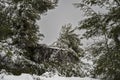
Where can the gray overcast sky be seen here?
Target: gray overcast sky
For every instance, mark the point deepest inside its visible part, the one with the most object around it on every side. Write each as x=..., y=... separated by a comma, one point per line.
x=64, y=13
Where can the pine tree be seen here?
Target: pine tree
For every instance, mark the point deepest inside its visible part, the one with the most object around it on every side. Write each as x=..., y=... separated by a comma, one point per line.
x=19, y=31
x=106, y=26
x=68, y=60
x=18, y=21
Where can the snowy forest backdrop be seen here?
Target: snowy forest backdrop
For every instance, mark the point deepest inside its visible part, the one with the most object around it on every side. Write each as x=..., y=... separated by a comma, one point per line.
x=22, y=52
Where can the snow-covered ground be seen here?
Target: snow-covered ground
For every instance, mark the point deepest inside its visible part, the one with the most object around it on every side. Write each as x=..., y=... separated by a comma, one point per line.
x=4, y=76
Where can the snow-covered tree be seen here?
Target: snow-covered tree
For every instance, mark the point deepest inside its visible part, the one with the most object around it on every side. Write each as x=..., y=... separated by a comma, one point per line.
x=19, y=30
x=68, y=60
x=106, y=27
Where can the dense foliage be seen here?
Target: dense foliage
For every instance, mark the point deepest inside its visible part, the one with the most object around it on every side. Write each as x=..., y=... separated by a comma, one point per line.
x=20, y=51
x=18, y=21
x=69, y=58
x=104, y=28
x=19, y=31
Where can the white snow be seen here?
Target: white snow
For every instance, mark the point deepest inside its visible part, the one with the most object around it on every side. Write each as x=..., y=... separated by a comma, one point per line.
x=2, y=53
x=23, y=76
x=56, y=77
